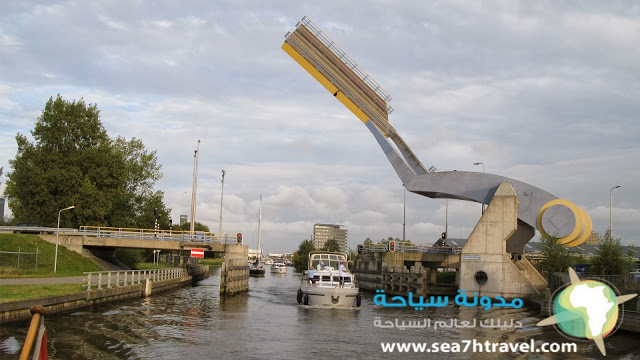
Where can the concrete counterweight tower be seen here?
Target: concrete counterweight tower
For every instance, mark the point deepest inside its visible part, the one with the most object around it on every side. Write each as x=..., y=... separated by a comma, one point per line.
x=486, y=266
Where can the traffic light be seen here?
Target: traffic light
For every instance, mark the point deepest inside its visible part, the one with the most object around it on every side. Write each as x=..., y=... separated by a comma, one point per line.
x=360, y=249
x=392, y=246
x=444, y=235
x=239, y=239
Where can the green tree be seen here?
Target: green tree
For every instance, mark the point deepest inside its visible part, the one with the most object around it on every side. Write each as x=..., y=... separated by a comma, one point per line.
x=368, y=241
x=301, y=256
x=196, y=227
x=72, y=161
x=331, y=245
x=556, y=256
x=611, y=258
x=137, y=204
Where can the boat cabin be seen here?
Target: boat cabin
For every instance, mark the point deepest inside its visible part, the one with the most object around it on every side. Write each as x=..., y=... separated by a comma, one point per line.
x=327, y=262
x=323, y=271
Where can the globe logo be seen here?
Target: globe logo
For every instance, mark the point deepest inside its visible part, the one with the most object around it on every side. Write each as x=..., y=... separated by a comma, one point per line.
x=586, y=309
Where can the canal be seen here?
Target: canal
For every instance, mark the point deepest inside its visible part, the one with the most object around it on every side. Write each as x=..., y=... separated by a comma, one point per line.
x=267, y=323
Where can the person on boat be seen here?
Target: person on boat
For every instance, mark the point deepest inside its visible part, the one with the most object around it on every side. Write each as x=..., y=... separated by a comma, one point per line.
x=342, y=271
x=310, y=274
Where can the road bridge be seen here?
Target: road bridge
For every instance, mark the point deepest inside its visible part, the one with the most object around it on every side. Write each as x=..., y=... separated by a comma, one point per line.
x=103, y=241
x=92, y=237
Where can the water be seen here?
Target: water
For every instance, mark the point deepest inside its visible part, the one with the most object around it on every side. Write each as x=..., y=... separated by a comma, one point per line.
x=197, y=323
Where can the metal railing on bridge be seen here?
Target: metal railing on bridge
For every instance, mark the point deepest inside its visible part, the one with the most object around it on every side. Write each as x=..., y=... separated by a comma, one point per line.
x=151, y=234
x=412, y=247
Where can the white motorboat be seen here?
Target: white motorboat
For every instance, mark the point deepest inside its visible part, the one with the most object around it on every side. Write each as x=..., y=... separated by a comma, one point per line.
x=278, y=268
x=322, y=286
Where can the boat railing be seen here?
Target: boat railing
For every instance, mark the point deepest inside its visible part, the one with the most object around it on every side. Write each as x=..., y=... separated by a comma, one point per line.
x=330, y=280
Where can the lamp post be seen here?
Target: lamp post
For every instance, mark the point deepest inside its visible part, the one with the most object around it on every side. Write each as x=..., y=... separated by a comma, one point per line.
x=194, y=187
x=404, y=212
x=610, y=211
x=55, y=259
x=481, y=163
x=221, y=196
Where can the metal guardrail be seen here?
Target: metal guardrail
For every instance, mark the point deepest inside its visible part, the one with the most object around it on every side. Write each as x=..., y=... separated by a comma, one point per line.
x=414, y=247
x=342, y=55
x=110, y=279
x=34, y=229
x=167, y=235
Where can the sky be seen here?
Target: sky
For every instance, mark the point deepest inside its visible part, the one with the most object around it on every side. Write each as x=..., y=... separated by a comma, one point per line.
x=544, y=92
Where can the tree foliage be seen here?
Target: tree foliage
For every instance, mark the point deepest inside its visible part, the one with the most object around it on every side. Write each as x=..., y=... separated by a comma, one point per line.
x=72, y=161
x=611, y=258
x=331, y=245
x=187, y=227
x=556, y=256
x=301, y=256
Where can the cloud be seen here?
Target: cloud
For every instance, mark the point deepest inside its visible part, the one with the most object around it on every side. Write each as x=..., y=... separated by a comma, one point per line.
x=545, y=93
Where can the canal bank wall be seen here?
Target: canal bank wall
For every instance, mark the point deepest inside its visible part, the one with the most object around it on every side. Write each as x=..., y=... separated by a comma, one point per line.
x=19, y=310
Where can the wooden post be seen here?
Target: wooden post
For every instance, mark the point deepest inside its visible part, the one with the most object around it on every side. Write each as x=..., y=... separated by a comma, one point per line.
x=36, y=311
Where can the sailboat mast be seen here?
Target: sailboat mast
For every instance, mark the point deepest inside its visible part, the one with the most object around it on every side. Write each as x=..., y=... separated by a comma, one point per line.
x=259, y=228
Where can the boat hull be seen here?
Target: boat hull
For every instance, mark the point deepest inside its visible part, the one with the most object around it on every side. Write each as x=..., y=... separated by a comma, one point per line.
x=330, y=297
x=256, y=272
x=278, y=269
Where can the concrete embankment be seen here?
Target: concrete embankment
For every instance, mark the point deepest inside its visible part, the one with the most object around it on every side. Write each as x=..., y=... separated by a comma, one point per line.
x=19, y=310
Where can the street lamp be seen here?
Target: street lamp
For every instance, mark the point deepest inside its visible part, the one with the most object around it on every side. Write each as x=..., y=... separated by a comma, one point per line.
x=610, y=217
x=55, y=260
x=404, y=212
x=221, y=196
x=194, y=187
x=481, y=163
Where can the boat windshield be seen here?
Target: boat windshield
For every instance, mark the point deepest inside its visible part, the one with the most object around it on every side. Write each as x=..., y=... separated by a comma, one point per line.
x=326, y=261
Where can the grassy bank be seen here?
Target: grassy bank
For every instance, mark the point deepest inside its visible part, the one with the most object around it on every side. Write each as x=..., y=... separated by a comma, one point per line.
x=9, y=293
x=69, y=262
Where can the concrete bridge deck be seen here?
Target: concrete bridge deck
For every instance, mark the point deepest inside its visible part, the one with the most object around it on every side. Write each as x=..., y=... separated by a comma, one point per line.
x=89, y=237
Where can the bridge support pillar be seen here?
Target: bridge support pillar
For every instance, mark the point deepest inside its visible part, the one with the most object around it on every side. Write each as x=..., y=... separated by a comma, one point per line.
x=486, y=266
x=234, y=275
x=433, y=276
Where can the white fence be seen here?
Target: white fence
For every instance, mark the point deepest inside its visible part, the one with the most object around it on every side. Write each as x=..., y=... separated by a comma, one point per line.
x=110, y=279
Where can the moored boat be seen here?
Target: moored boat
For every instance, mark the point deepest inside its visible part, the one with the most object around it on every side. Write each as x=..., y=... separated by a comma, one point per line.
x=278, y=268
x=326, y=285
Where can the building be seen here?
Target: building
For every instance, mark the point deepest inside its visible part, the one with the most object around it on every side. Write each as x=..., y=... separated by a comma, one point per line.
x=1, y=209
x=594, y=239
x=324, y=232
x=183, y=219
x=253, y=254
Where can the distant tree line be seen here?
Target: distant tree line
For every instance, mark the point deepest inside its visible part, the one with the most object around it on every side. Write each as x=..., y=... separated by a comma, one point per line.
x=610, y=258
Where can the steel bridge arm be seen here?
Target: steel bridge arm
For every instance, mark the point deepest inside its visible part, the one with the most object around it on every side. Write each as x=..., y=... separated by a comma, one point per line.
x=347, y=82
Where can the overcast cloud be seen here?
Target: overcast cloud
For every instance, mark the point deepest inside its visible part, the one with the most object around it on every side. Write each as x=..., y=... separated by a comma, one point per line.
x=540, y=91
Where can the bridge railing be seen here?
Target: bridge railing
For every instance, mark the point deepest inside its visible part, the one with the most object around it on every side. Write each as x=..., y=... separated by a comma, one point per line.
x=110, y=279
x=413, y=247
x=150, y=234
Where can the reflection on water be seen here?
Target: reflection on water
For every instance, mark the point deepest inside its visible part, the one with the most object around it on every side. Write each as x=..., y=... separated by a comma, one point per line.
x=198, y=323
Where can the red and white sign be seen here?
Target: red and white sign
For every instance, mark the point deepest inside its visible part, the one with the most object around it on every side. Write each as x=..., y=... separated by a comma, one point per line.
x=199, y=253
